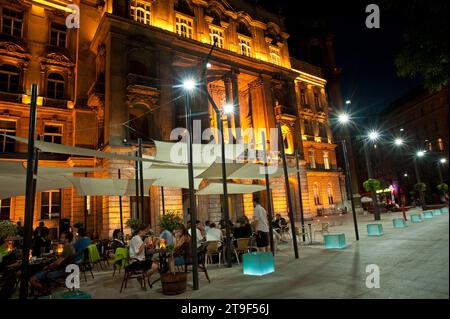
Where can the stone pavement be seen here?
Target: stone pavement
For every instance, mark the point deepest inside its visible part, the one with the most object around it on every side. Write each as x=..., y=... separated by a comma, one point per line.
x=413, y=262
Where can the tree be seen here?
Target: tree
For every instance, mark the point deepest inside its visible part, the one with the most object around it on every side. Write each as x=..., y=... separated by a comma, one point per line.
x=421, y=187
x=442, y=187
x=371, y=185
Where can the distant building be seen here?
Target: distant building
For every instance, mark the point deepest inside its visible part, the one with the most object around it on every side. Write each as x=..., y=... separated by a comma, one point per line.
x=121, y=66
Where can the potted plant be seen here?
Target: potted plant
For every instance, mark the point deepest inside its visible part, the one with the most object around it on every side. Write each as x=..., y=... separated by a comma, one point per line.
x=170, y=220
x=173, y=283
x=442, y=187
x=421, y=187
x=7, y=229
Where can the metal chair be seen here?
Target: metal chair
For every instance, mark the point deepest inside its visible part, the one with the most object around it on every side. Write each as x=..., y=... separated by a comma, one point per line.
x=85, y=264
x=323, y=229
x=302, y=232
x=242, y=247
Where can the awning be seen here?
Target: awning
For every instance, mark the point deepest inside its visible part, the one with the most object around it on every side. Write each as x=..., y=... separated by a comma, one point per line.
x=243, y=171
x=16, y=185
x=203, y=154
x=80, y=151
x=232, y=188
x=107, y=186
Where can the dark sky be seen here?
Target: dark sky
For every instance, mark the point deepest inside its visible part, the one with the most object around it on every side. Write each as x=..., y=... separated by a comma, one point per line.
x=366, y=56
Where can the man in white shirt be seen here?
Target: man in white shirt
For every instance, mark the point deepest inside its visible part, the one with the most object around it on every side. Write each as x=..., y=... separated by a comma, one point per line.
x=261, y=227
x=214, y=234
x=137, y=251
x=200, y=237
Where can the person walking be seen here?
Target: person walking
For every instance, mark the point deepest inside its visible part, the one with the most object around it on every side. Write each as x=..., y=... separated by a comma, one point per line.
x=261, y=226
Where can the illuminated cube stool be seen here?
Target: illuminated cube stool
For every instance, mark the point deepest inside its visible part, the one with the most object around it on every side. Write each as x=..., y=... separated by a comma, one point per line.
x=375, y=230
x=334, y=241
x=428, y=214
x=77, y=294
x=258, y=263
x=415, y=218
x=444, y=210
x=399, y=223
x=437, y=212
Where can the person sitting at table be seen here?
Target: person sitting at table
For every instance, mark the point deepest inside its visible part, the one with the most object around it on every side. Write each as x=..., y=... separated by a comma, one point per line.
x=278, y=225
x=243, y=231
x=80, y=244
x=137, y=251
x=56, y=269
x=117, y=240
x=214, y=234
x=167, y=236
x=199, y=232
x=182, y=249
x=207, y=224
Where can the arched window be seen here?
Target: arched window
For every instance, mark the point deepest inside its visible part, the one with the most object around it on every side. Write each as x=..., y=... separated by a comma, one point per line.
x=316, y=194
x=216, y=35
x=326, y=160
x=330, y=194
x=243, y=29
x=312, y=159
x=308, y=128
x=182, y=6
x=140, y=11
x=216, y=17
x=9, y=78
x=245, y=45
x=275, y=55
x=142, y=123
x=55, y=86
x=137, y=67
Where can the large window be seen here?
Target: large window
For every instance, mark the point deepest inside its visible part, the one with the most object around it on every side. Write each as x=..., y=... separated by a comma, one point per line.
x=7, y=127
x=330, y=194
x=302, y=97
x=312, y=159
x=308, y=128
x=317, y=102
x=275, y=55
x=245, y=46
x=323, y=130
x=55, y=86
x=58, y=35
x=50, y=204
x=53, y=133
x=316, y=194
x=440, y=144
x=184, y=26
x=216, y=35
x=140, y=11
x=12, y=22
x=9, y=78
x=5, y=208
x=326, y=160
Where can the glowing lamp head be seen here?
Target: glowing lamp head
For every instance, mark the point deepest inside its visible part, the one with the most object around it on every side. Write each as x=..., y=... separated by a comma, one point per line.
x=208, y=65
x=420, y=153
x=343, y=118
x=443, y=160
x=348, y=102
x=406, y=175
x=189, y=84
x=398, y=142
x=373, y=135
x=228, y=108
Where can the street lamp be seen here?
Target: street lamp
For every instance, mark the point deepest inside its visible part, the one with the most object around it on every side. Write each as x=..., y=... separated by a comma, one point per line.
x=348, y=102
x=420, y=153
x=189, y=85
x=373, y=136
x=398, y=141
x=343, y=119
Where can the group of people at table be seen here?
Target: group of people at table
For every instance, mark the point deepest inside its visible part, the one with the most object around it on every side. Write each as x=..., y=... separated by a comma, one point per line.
x=140, y=245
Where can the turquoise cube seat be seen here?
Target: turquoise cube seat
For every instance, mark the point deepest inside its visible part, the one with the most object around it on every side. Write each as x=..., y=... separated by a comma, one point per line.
x=258, y=263
x=334, y=241
x=415, y=218
x=399, y=223
x=437, y=212
x=77, y=294
x=444, y=210
x=375, y=229
x=428, y=214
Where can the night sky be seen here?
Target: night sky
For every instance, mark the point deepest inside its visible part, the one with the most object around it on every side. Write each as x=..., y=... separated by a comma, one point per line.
x=366, y=56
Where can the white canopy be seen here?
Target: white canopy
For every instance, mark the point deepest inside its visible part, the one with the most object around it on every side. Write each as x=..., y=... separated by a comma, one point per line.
x=15, y=185
x=203, y=154
x=243, y=171
x=80, y=151
x=107, y=186
x=232, y=188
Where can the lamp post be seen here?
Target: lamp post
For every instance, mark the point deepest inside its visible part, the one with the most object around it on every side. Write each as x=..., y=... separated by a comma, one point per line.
x=372, y=136
x=419, y=154
x=189, y=86
x=441, y=163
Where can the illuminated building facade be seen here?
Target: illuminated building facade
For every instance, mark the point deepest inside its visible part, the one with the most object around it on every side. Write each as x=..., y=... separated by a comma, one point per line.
x=114, y=80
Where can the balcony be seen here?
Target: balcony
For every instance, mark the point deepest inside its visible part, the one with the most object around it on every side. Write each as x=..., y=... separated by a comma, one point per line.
x=56, y=103
x=11, y=97
x=284, y=110
x=321, y=168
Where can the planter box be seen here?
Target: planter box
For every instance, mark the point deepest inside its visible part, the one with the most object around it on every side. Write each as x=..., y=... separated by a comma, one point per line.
x=334, y=241
x=258, y=263
x=444, y=210
x=399, y=223
x=375, y=230
x=428, y=214
x=415, y=218
x=174, y=284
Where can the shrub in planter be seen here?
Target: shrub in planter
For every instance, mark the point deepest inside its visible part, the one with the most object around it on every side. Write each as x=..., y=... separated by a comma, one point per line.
x=134, y=224
x=421, y=187
x=442, y=187
x=170, y=220
x=7, y=229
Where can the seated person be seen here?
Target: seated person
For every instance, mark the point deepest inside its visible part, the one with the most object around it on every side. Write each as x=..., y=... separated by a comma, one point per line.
x=243, y=231
x=182, y=250
x=137, y=251
x=167, y=236
x=56, y=269
x=80, y=244
x=214, y=234
x=117, y=240
x=199, y=233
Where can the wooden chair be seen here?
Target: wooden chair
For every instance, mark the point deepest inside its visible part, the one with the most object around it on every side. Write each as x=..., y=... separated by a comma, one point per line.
x=201, y=252
x=242, y=247
x=134, y=270
x=212, y=249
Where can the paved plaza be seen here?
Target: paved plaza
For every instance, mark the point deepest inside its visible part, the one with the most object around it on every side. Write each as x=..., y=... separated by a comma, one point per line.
x=413, y=263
